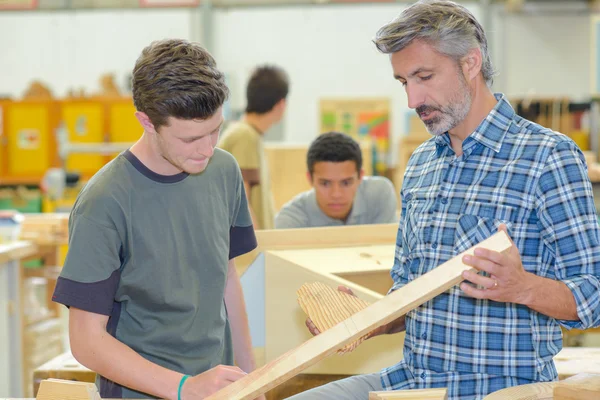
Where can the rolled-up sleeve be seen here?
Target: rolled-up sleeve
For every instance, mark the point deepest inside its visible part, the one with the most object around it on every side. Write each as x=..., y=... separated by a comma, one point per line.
x=569, y=225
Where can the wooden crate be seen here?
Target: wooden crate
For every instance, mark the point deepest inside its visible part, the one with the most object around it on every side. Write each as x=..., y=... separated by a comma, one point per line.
x=63, y=366
x=359, y=257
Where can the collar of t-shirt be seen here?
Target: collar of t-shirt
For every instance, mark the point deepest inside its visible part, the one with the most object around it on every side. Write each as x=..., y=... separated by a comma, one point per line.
x=317, y=215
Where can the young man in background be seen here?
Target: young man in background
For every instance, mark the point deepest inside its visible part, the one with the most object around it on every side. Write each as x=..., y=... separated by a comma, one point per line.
x=341, y=195
x=266, y=95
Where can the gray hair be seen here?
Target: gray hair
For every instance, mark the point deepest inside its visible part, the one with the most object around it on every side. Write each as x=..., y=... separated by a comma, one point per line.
x=449, y=27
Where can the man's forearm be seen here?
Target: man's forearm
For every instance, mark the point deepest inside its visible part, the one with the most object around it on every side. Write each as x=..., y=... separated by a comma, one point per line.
x=236, y=309
x=117, y=362
x=551, y=298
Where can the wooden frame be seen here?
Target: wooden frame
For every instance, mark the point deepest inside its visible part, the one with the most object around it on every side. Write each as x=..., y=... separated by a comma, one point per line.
x=59, y=389
x=284, y=260
x=382, y=312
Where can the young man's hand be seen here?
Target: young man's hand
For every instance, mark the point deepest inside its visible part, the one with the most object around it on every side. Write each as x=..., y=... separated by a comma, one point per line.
x=209, y=382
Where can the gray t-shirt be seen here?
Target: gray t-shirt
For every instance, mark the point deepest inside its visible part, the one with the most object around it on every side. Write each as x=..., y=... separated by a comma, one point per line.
x=374, y=203
x=151, y=252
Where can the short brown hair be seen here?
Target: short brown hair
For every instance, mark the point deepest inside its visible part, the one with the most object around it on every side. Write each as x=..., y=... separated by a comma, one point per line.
x=177, y=78
x=267, y=86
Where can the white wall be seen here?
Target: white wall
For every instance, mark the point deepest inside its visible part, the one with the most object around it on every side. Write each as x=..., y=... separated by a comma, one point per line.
x=326, y=50
x=72, y=49
x=548, y=55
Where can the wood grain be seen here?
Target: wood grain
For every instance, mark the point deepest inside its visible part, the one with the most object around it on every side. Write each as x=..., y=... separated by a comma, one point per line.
x=583, y=386
x=58, y=389
x=381, y=312
x=534, y=391
x=327, y=307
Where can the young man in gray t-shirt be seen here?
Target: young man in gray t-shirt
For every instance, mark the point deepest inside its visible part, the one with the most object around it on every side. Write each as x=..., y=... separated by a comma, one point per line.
x=149, y=277
x=340, y=194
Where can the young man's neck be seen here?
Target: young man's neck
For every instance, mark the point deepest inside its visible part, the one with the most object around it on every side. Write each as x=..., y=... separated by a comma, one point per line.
x=482, y=103
x=147, y=152
x=261, y=122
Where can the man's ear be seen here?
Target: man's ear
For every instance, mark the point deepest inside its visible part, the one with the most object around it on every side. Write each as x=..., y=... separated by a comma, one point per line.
x=145, y=122
x=472, y=63
x=309, y=178
x=361, y=174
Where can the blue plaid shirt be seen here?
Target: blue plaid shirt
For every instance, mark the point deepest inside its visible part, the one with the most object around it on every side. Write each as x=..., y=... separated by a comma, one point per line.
x=535, y=181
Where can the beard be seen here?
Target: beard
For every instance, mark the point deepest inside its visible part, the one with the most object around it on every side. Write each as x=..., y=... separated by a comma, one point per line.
x=450, y=115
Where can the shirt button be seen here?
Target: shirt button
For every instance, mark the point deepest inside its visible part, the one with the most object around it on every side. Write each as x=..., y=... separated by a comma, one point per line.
x=424, y=336
x=444, y=200
x=423, y=375
x=434, y=246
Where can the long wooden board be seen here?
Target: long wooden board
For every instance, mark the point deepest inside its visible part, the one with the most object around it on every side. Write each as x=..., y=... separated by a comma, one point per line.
x=381, y=312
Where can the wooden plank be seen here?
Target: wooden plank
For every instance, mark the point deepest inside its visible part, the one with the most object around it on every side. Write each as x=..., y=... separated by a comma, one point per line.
x=58, y=389
x=315, y=238
x=63, y=366
x=324, y=237
x=381, y=312
x=416, y=394
x=580, y=387
x=534, y=391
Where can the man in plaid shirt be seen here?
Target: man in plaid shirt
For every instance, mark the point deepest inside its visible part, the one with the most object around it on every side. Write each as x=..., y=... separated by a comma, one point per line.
x=484, y=169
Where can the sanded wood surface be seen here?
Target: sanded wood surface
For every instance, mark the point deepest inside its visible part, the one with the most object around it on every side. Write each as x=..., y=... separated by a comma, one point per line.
x=381, y=312
x=534, y=391
x=571, y=361
x=58, y=389
x=416, y=394
x=346, y=260
x=327, y=307
x=579, y=387
x=315, y=238
x=583, y=386
x=327, y=236
x=64, y=366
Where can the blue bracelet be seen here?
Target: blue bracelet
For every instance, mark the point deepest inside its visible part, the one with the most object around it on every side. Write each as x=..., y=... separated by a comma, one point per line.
x=183, y=378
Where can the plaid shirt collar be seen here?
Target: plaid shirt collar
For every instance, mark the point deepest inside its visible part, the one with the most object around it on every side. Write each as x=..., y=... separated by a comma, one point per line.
x=490, y=132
